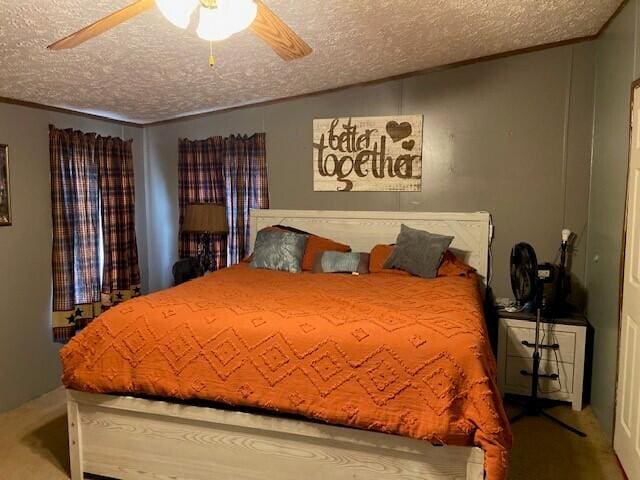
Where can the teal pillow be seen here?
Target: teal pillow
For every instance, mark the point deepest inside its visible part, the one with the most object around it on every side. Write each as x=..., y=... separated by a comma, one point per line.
x=277, y=249
x=341, y=262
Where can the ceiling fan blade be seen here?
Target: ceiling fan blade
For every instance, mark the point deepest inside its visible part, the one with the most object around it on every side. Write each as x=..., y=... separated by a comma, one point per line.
x=102, y=25
x=278, y=35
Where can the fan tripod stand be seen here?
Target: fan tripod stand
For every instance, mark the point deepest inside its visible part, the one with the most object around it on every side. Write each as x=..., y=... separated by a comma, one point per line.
x=532, y=407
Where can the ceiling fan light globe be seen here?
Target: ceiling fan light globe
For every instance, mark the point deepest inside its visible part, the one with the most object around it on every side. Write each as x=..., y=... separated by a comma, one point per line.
x=213, y=25
x=178, y=12
x=239, y=13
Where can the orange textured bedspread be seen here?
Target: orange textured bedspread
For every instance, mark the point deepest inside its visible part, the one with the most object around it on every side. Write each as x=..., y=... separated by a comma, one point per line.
x=385, y=352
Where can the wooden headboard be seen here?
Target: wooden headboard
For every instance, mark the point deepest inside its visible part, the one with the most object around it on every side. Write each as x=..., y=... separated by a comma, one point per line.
x=363, y=230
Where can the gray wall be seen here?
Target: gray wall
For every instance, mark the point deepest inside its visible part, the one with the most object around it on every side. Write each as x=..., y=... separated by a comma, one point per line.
x=29, y=364
x=510, y=136
x=616, y=68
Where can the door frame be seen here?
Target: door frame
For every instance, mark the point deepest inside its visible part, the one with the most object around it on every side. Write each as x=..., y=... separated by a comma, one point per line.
x=634, y=85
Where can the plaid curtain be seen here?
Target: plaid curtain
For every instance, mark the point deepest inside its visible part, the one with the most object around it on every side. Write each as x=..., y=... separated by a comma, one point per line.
x=120, y=272
x=232, y=171
x=246, y=187
x=85, y=170
x=200, y=181
x=76, y=223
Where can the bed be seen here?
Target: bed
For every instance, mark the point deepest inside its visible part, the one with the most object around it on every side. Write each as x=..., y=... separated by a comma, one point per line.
x=256, y=374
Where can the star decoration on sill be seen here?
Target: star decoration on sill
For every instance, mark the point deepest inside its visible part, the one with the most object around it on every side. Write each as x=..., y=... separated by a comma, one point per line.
x=78, y=312
x=136, y=290
x=72, y=318
x=119, y=296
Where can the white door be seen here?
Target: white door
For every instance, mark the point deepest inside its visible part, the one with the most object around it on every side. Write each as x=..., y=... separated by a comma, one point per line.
x=627, y=429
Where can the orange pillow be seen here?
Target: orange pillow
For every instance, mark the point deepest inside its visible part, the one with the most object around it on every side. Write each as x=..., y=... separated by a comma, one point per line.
x=317, y=244
x=451, y=266
x=378, y=256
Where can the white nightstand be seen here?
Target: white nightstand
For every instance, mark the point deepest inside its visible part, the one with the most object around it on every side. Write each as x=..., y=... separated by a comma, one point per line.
x=562, y=360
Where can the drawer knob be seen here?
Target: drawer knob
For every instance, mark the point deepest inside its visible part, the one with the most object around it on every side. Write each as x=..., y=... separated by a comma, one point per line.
x=552, y=376
x=553, y=346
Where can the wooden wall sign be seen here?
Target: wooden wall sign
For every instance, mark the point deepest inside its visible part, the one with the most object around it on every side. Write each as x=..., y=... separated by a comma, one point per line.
x=367, y=154
x=5, y=196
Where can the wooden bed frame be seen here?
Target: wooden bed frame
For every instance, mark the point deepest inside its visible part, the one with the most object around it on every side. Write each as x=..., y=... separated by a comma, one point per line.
x=134, y=438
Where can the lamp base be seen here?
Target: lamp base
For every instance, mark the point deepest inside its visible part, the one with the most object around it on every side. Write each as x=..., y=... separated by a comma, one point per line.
x=205, y=255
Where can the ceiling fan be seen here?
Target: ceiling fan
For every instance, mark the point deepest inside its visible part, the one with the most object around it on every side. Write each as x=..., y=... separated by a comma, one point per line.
x=218, y=19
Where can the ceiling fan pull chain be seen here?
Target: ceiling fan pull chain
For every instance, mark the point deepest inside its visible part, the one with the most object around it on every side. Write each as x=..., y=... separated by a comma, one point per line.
x=212, y=59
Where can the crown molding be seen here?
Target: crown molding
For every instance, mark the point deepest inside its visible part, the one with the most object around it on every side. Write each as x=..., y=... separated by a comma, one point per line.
x=68, y=111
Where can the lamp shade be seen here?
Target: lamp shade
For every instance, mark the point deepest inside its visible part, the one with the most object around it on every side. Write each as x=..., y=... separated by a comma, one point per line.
x=205, y=218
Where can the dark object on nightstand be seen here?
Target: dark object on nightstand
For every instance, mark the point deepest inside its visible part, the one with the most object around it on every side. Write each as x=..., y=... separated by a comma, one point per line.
x=186, y=269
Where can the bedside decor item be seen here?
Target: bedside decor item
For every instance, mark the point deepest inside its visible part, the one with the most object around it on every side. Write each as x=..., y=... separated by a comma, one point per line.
x=207, y=219
x=5, y=196
x=367, y=154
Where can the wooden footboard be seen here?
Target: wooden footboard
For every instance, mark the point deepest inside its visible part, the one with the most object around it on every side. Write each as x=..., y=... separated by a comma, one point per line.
x=133, y=438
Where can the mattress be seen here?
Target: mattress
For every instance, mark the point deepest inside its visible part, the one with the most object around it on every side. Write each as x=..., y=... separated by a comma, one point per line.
x=385, y=352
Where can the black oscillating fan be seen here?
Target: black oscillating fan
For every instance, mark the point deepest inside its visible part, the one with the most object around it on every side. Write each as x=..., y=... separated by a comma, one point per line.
x=524, y=276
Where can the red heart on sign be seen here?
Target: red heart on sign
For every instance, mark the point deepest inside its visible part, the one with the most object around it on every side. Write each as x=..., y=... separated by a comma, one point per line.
x=398, y=131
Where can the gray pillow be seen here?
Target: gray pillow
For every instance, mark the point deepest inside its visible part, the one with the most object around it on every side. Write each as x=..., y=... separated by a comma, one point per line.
x=418, y=252
x=277, y=249
x=341, y=262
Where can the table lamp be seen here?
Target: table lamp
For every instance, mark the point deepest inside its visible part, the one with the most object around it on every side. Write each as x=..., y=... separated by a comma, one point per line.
x=206, y=219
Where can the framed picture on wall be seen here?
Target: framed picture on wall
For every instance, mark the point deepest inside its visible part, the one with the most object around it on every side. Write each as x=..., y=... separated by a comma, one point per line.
x=5, y=196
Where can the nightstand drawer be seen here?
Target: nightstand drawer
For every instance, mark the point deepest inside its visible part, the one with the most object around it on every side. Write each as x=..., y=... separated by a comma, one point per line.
x=516, y=382
x=548, y=335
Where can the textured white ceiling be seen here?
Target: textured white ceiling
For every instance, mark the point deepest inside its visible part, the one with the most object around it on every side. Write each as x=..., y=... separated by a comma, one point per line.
x=147, y=70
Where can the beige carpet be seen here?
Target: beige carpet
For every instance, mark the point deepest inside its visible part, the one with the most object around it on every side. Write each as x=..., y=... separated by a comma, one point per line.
x=33, y=445
x=542, y=450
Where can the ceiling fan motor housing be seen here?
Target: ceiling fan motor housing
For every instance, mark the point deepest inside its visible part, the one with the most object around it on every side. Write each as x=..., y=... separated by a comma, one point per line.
x=209, y=3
